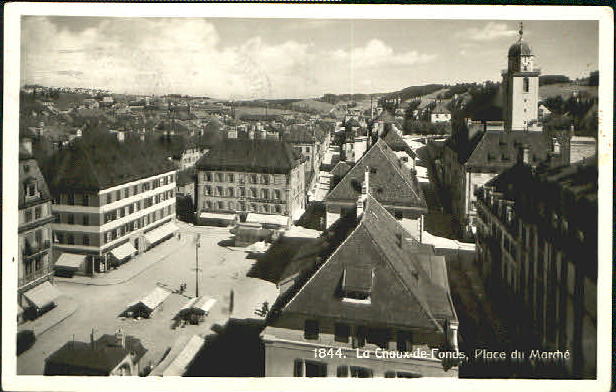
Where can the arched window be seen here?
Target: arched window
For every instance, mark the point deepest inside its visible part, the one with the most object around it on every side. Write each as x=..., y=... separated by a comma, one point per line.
x=526, y=85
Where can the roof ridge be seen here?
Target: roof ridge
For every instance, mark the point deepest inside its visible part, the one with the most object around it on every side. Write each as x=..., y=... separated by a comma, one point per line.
x=379, y=249
x=398, y=169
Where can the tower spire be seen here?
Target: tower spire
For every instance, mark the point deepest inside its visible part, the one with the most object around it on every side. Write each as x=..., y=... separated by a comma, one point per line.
x=521, y=31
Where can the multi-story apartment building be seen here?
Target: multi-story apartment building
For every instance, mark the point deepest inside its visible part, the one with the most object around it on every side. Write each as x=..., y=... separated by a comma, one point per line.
x=477, y=151
x=109, y=203
x=537, y=244
x=35, y=268
x=368, y=301
x=251, y=175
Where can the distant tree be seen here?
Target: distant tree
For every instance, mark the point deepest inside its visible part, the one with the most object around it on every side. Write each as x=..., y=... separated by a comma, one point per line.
x=593, y=79
x=545, y=80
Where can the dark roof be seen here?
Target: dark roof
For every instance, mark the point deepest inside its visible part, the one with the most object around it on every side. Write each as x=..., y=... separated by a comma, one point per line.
x=499, y=149
x=381, y=245
x=254, y=155
x=186, y=176
x=519, y=48
x=29, y=172
x=396, y=143
x=80, y=358
x=100, y=161
x=386, y=116
x=299, y=135
x=391, y=183
x=341, y=169
x=440, y=109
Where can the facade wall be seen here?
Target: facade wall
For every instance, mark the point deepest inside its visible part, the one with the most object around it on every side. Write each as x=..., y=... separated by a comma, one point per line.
x=282, y=353
x=94, y=224
x=282, y=359
x=232, y=191
x=35, y=248
x=547, y=281
x=521, y=106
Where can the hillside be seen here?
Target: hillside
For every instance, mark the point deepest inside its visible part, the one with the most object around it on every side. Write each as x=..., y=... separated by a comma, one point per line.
x=565, y=90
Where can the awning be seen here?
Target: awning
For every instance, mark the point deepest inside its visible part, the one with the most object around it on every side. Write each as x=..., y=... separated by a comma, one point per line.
x=123, y=251
x=42, y=295
x=69, y=261
x=201, y=304
x=161, y=232
x=155, y=298
x=217, y=215
x=279, y=220
x=180, y=357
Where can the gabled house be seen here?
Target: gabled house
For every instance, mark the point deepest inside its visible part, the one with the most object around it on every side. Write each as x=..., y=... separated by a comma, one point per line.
x=391, y=183
x=372, y=289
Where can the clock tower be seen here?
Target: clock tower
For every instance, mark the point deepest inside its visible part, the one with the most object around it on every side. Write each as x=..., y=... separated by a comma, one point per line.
x=521, y=88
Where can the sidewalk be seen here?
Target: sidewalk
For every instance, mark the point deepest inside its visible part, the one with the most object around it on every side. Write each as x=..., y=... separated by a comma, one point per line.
x=66, y=306
x=132, y=268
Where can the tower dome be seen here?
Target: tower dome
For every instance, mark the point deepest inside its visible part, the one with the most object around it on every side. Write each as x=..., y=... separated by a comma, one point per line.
x=520, y=48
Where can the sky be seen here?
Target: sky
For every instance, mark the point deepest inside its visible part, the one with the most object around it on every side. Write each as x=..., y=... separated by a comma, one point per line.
x=231, y=58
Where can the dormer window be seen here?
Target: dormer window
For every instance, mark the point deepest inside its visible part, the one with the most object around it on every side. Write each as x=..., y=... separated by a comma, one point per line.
x=357, y=284
x=31, y=189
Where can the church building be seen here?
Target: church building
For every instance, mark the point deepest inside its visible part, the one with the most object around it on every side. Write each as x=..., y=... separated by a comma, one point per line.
x=478, y=151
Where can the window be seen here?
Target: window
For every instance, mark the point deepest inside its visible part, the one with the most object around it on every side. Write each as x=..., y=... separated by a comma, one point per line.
x=398, y=214
x=108, y=198
x=253, y=193
x=342, y=371
x=221, y=205
x=70, y=239
x=264, y=194
x=37, y=212
x=28, y=264
x=395, y=374
x=118, y=195
x=31, y=189
x=207, y=190
x=220, y=191
x=265, y=179
x=71, y=219
x=315, y=369
x=71, y=199
x=85, y=200
x=39, y=263
x=403, y=341
x=311, y=329
x=85, y=220
x=361, y=372
x=298, y=368
x=135, y=189
x=230, y=192
x=60, y=238
x=342, y=332
x=230, y=178
x=278, y=209
x=277, y=194
x=207, y=177
x=526, y=85
x=86, y=240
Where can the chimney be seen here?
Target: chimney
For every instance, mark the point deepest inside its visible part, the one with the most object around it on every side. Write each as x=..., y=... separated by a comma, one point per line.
x=120, y=338
x=92, y=345
x=523, y=155
x=26, y=143
x=365, y=188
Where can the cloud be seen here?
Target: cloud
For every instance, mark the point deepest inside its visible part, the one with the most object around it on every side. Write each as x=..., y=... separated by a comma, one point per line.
x=166, y=55
x=490, y=32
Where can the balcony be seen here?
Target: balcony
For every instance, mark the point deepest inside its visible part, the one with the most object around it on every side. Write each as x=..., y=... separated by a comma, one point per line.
x=31, y=250
x=31, y=277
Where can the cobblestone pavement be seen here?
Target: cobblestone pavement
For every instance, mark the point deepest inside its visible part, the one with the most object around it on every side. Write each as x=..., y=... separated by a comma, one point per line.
x=222, y=269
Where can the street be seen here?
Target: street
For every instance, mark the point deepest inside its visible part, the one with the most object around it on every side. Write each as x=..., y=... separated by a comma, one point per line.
x=222, y=269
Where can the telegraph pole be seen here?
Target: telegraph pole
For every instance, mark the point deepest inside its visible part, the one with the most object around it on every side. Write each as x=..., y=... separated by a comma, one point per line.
x=197, y=241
